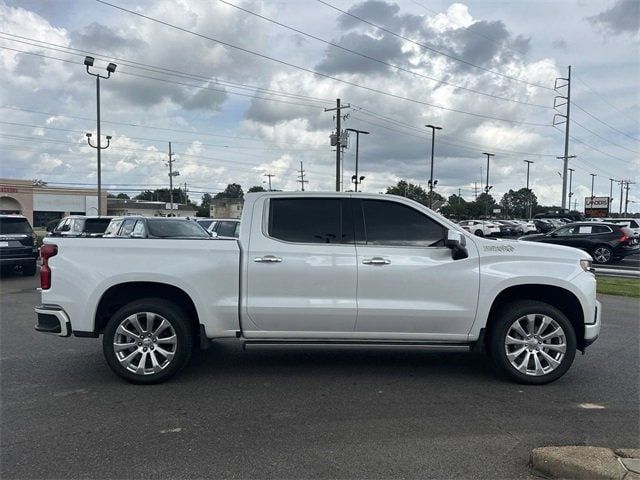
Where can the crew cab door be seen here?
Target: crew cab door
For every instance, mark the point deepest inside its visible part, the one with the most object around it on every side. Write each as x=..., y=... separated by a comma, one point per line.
x=408, y=283
x=301, y=268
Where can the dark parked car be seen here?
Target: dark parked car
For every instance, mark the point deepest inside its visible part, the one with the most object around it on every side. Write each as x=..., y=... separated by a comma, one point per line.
x=543, y=226
x=18, y=244
x=81, y=226
x=155, y=227
x=605, y=242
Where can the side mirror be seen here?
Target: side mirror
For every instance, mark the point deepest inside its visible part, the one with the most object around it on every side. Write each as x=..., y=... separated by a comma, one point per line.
x=457, y=242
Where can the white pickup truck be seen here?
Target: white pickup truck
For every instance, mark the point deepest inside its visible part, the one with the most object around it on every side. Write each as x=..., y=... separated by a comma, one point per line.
x=323, y=270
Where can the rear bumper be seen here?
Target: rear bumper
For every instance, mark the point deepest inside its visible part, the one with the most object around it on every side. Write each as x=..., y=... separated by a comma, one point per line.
x=53, y=320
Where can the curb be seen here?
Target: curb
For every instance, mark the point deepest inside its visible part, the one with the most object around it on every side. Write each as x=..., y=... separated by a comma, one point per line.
x=586, y=463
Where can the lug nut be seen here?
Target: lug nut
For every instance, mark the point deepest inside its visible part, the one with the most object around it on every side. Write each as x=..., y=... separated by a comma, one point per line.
x=144, y=349
x=151, y=347
x=139, y=344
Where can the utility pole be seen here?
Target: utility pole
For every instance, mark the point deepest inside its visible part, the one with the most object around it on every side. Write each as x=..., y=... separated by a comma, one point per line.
x=269, y=175
x=626, y=201
x=432, y=182
x=475, y=191
x=621, y=194
x=529, y=162
x=571, y=170
x=301, y=179
x=185, y=193
x=338, y=137
x=567, y=102
x=487, y=187
x=564, y=177
x=593, y=176
x=171, y=175
x=610, y=195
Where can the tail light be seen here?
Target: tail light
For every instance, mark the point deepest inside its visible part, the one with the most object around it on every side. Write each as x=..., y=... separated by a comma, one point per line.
x=46, y=252
x=626, y=235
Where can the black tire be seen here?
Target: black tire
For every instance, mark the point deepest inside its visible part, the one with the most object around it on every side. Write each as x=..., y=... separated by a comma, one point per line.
x=602, y=254
x=479, y=233
x=178, y=321
x=29, y=270
x=496, y=338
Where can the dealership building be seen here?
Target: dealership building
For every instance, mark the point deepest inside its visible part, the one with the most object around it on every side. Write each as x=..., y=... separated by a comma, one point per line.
x=41, y=203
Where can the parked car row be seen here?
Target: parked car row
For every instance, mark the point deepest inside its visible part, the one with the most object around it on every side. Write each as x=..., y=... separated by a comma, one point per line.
x=18, y=244
x=606, y=242
x=498, y=228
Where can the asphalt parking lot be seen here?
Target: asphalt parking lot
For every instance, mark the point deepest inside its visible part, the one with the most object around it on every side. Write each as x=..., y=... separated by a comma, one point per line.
x=289, y=414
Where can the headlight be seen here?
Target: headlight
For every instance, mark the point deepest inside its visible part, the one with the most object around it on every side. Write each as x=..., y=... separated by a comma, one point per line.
x=586, y=265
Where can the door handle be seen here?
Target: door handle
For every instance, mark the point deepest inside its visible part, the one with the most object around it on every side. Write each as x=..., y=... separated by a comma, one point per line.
x=376, y=261
x=267, y=259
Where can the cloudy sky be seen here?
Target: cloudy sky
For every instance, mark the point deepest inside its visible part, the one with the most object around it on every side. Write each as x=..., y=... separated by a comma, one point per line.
x=240, y=88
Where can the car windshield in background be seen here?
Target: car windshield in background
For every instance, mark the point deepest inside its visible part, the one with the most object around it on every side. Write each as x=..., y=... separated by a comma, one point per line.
x=204, y=223
x=175, y=228
x=96, y=225
x=14, y=226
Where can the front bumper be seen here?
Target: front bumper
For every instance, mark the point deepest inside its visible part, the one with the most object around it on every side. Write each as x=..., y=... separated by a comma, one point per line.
x=53, y=320
x=592, y=329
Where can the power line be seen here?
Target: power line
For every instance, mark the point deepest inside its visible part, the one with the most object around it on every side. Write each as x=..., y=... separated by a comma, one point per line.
x=602, y=138
x=377, y=60
x=602, y=121
x=155, y=68
x=323, y=75
x=426, y=47
x=593, y=90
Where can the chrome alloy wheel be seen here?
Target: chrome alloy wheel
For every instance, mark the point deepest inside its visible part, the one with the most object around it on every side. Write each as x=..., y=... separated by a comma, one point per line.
x=602, y=255
x=145, y=343
x=535, y=344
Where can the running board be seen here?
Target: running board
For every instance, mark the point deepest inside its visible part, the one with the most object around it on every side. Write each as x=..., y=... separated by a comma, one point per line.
x=350, y=345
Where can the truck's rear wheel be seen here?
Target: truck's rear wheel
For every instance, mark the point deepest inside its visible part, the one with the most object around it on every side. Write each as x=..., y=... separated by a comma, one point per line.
x=532, y=342
x=148, y=341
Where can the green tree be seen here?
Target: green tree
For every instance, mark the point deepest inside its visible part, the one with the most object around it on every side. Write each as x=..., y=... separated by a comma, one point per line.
x=233, y=190
x=162, y=195
x=205, y=206
x=256, y=188
x=516, y=203
x=484, y=203
x=415, y=192
x=456, y=208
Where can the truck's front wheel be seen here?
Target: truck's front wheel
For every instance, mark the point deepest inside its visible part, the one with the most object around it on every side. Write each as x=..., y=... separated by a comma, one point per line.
x=148, y=341
x=532, y=342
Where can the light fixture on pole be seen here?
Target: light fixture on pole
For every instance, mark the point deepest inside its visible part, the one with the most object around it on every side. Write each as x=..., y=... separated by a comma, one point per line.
x=529, y=162
x=432, y=182
x=88, y=62
x=487, y=187
x=355, y=179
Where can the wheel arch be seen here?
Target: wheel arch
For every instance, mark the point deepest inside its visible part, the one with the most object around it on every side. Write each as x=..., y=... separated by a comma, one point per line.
x=560, y=298
x=121, y=294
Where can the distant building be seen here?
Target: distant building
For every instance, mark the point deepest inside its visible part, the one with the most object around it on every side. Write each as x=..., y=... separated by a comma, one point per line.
x=41, y=203
x=120, y=207
x=226, y=207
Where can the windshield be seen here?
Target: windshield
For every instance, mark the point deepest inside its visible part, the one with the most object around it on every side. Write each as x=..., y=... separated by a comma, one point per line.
x=14, y=225
x=176, y=228
x=96, y=225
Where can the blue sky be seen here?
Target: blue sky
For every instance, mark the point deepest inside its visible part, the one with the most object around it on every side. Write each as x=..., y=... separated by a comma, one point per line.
x=233, y=116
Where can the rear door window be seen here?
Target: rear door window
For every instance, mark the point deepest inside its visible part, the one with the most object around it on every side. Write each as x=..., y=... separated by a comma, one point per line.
x=310, y=220
x=96, y=225
x=226, y=229
x=127, y=227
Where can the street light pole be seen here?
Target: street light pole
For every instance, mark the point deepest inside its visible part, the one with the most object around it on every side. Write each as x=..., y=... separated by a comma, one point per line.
x=593, y=176
x=88, y=62
x=571, y=170
x=432, y=182
x=610, y=194
x=487, y=187
x=355, y=179
x=529, y=162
